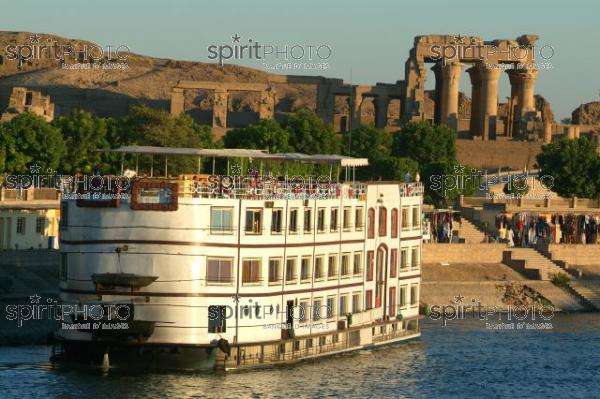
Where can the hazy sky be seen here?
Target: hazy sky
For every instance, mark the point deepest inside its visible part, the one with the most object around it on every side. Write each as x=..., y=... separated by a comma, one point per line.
x=370, y=40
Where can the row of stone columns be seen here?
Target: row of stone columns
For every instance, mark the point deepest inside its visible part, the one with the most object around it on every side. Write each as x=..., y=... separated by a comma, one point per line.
x=484, y=95
x=266, y=108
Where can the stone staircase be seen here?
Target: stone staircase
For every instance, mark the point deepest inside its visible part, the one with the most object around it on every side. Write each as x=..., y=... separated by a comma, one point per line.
x=468, y=233
x=588, y=290
x=531, y=263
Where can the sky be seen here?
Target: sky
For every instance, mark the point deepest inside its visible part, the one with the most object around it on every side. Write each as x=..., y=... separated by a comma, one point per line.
x=369, y=40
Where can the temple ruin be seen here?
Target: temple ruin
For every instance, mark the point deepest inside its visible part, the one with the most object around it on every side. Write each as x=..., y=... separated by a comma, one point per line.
x=23, y=100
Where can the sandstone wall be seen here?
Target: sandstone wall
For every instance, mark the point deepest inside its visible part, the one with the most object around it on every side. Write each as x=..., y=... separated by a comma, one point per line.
x=497, y=153
x=463, y=253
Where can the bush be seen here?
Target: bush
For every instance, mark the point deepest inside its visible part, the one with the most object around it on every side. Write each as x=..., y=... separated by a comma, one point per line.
x=560, y=280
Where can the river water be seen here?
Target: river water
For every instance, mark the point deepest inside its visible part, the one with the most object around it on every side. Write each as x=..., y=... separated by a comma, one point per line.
x=463, y=359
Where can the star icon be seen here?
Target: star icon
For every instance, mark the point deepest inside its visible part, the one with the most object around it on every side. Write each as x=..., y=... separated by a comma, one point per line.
x=35, y=38
x=35, y=168
x=459, y=169
x=458, y=298
x=459, y=39
x=236, y=298
x=35, y=298
x=236, y=38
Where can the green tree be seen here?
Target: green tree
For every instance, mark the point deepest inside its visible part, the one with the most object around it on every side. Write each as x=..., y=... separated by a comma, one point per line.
x=309, y=134
x=394, y=168
x=83, y=135
x=266, y=134
x=28, y=139
x=366, y=141
x=574, y=166
x=426, y=143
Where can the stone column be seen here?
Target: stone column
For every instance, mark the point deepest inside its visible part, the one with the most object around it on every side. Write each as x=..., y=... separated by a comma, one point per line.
x=570, y=132
x=266, y=108
x=325, y=102
x=220, y=108
x=475, y=123
x=547, y=132
x=381, y=104
x=513, y=111
x=450, y=88
x=437, y=111
x=356, y=100
x=177, y=101
x=526, y=99
x=489, y=102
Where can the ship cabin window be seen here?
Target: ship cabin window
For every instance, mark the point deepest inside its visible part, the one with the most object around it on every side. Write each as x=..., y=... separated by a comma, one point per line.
x=290, y=271
x=414, y=258
x=333, y=222
x=217, y=320
x=357, y=267
x=402, y=301
x=405, y=220
x=371, y=223
x=221, y=220
x=358, y=218
x=319, y=268
x=343, y=305
x=345, y=265
x=416, y=217
x=276, y=220
x=218, y=270
x=394, y=231
x=403, y=258
x=370, y=261
x=330, y=311
x=305, y=269
x=369, y=299
x=321, y=220
x=347, y=222
x=382, y=221
x=316, y=314
x=414, y=295
x=251, y=271
x=393, y=262
x=21, y=226
x=356, y=302
x=332, y=267
x=274, y=270
x=40, y=224
x=303, y=311
x=307, y=220
x=293, y=224
x=253, y=221
x=155, y=195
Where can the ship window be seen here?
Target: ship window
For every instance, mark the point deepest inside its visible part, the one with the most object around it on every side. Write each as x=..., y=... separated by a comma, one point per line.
x=276, y=220
x=253, y=221
x=217, y=320
x=356, y=303
x=345, y=264
x=405, y=221
x=394, y=223
x=414, y=258
x=393, y=262
x=303, y=311
x=358, y=218
x=382, y=221
x=370, y=259
x=221, y=220
x=332, y=266
x=316, y=314
x=251, y=271
x=21, y=226
x=403, y=258
x=274, y=270
x=414, y=294
x=343, y=305
x=416, y=217
x=305, y=269
x=330, y=307
x=307, y=220
x=321, y=220
x=371, y=223
x=319, y=268
x=369, y=299
x=333, y=223
x=293, y=220
x=347, y=222
x=357, y=263
x=218, y=270
x=402, y=301
x=290, y=270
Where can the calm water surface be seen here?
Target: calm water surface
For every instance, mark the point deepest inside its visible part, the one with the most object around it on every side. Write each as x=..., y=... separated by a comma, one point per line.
x=463, y=359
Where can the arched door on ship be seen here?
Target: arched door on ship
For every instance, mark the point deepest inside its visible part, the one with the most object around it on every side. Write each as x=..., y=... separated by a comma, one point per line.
x=380, y=273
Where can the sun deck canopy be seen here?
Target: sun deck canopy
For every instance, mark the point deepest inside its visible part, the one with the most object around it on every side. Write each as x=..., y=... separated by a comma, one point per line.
x=243, y=153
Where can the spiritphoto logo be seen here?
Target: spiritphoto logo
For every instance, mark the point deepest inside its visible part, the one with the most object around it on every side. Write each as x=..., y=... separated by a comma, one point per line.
x=84, y=55
x=272, y=56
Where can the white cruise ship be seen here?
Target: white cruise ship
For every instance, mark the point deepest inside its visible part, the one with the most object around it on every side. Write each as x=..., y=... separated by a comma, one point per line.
x=212, y=271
